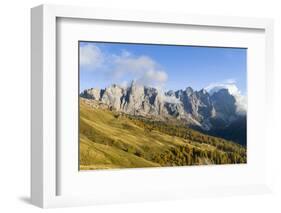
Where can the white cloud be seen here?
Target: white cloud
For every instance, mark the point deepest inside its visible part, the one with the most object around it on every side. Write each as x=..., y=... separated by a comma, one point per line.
x=230, y=81
x=241, y=103
x=91, y=56
x=167, y=98
x=143, y=69
x=123, y=67
x=125, y=53
x=171, y=99
x=215, y=87
x=230, y=85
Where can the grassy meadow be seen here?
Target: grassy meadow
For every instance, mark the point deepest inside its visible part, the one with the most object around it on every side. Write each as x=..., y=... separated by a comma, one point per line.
x=110, y=140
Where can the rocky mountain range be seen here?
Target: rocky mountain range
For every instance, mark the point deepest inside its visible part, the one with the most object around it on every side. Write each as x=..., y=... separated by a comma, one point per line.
x=213, y=112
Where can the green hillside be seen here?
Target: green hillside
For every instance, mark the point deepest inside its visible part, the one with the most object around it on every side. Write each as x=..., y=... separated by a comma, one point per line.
x=112, y=140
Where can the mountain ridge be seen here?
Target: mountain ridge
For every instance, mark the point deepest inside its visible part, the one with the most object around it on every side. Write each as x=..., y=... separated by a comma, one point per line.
x=200, y=109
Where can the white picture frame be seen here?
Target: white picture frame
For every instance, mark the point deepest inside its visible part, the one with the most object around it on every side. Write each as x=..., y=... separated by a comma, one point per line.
x=45, y=171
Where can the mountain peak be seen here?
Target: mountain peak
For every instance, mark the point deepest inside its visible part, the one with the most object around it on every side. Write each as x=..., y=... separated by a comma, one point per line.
x=189, y=90
x=203, y=91
x=199, y=109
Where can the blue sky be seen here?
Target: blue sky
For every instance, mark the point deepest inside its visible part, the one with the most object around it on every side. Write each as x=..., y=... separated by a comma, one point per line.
x=167, y=66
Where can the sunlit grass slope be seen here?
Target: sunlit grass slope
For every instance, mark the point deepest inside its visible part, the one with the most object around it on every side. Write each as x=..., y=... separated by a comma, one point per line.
x=112, y=140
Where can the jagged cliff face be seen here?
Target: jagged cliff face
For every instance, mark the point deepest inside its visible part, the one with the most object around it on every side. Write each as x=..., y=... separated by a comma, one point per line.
x=197, y=108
